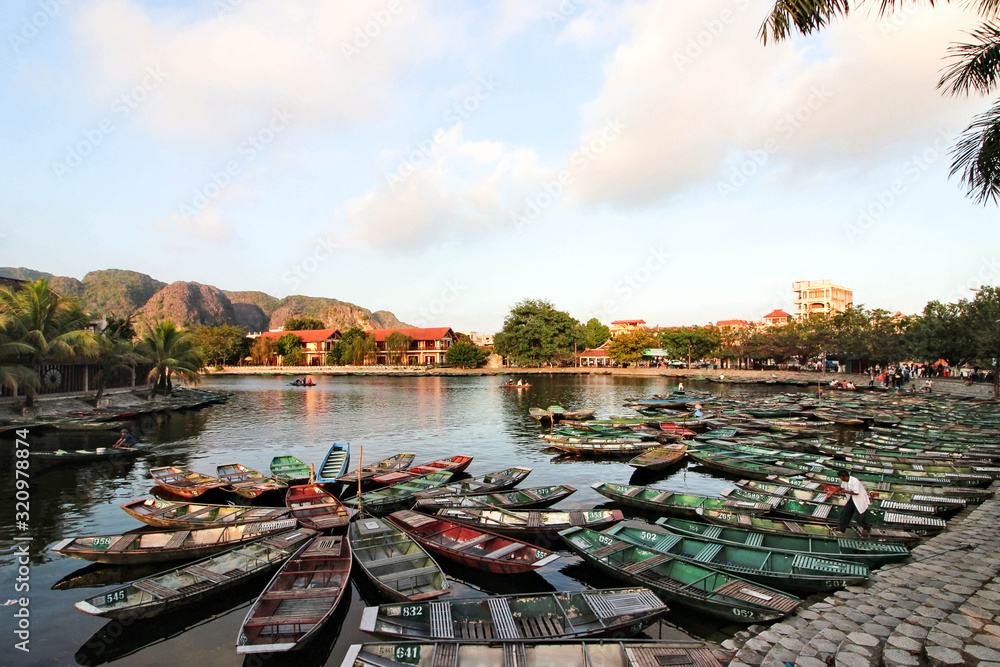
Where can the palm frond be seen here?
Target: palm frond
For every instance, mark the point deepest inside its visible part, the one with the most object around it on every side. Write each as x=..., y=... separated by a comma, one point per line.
x=976, y=157
x=808, y=16
x=976, y=65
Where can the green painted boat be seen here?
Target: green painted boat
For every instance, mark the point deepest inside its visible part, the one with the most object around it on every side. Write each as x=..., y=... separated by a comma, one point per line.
x=872, y=479
x=676, y=580
x=290, y=470
x=670, y=502
x=530, y=498
x=394, y=562
x=659, y=458
x=718, y=434
x=969, y=494
x=494, y=481
x=742, y=466
x=826, y=493
x=609, y=612
x=867, y=552
x=391, y=464
x=798, y=573
x=885, y=469
x=527, y=523
x=802, y=529
x=397, y=496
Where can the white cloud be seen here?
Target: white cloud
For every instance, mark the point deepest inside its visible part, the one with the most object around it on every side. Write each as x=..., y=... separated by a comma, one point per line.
x=208, y=226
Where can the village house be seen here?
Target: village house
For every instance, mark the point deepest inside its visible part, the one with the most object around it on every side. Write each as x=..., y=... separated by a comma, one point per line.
x=316, y=343
x=428, y=345
x=619, y=327
x=775, y=318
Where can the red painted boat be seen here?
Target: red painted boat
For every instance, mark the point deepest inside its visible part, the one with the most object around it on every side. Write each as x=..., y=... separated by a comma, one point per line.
x=677, y=429
x=316, y=508
x=455, y=464
x=185, y=483
x=473, y=547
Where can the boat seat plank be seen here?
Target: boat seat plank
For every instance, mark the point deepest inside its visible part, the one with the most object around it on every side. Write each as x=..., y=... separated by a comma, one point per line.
x=409, y=574
x=122, y=543
x=754, y=539
x=527, y=492
x=505, y=550
x=442, y=627
x=712, y=532
x=822, y=511
x=155, y=589
x=177, y=539
x=577, y=518
x=392, y=560
x=445, y=655
x=473, y=542
x=794, y=527
x=206, y=573
x=709, y=552
x=635, y=490
x=514, y=655
x=503, y=620
x=289, y=619
x=299, y=594
x=324, y=547
x=610, y=549
x=643, y=565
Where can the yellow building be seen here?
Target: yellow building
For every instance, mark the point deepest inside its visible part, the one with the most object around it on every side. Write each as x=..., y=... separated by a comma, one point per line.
x=820, y=297
x=626, y=326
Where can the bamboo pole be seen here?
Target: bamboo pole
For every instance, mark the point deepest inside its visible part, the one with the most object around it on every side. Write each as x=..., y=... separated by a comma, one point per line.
x=361, y=454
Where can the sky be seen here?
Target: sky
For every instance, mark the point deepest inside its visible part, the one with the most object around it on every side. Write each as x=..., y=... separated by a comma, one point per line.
x=445, y=160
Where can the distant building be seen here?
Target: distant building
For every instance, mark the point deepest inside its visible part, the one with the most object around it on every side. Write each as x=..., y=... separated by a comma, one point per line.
x=776, y=317
x=732, y=324
x=482, y=340
x=316, y=343
x=625, y=326
x=820, y=297
x=427, y=345
x=596, y=357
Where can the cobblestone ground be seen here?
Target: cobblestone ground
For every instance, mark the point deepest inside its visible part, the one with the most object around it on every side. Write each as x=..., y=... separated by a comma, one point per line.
x=940, y=607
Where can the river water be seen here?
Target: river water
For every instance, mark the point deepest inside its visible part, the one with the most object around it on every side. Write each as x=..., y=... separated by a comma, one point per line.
x=434, y=417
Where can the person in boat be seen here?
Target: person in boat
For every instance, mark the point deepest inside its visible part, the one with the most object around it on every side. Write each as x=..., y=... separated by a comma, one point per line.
x=680, y=387
x=697, y=411
x=520, y=382
x=856, y=507
x=127, y=441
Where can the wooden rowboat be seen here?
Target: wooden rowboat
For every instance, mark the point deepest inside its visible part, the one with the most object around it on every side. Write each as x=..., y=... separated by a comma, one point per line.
x=185, y=483
x=870, y=553
x=289, y=469
x=531, y=498
x=335, y=464
x=788, y=527
x=175, y=515
x=659, y=458
x=639, y=653
x=316, y=508
x=110, y=454
x=134, y=548
x=188, y=584
x=247, y=482
x=397, y=496
x=610, y=612
x=470, y=546
x=455, y=464
x=703, y=588
x=299, y=599
x=494, y=481
x=397, y=462
x=396, y=563
x=898, y=500
x=532, y=522
x=684, y=505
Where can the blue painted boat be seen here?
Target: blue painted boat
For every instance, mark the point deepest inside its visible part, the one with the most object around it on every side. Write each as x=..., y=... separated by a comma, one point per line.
x=334, y=464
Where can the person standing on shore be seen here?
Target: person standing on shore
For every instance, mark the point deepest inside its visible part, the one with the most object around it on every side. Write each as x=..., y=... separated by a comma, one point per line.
x=856, y=506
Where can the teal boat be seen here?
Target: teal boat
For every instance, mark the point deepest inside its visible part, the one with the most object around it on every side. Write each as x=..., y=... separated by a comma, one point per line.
x=797, y=573
x=290, y=470
x=867, y=552
x=398, y=496
x=676, y=580
x=334, y=464
x=882, y=500
x=684, y=505
x=806, y=529
x=742, y=466
x=494, y=481
x=394, y=562
x=531, y=498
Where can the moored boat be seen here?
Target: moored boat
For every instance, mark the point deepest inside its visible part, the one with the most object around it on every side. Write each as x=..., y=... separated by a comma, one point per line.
x=488, y=483
x=174, y=515
x=659, y=458
x=299, y=599
x=247, y=482
x=611, y=612
x=532, y=522
x=531, y=498
x=289, y=469
x=397, y=496
x=453, y=465
x=806, y=529
x=314, y=507
x=684, y=505
x=335, y=463
x=185, y=483
x=397, y=462
x=394, y=562
x=471, y=546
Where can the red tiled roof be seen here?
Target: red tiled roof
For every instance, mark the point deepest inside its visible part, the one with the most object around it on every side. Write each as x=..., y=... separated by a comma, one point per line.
x=629, y=322
x=594, y=353
x=776, y=313
x=732, y=323
x=306, y=335
x=431, y=333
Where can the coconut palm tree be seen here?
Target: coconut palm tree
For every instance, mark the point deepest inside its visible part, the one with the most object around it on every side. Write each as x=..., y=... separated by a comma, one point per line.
x=14, y=374
x=975, y=68
x=45, y=327
x=170, y=350
x=112, y=354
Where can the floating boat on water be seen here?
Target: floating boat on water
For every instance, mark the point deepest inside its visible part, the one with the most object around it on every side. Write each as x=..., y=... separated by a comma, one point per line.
x=659, y=458
x=335, y=463
x=767, y=492
x=453, y=465
x=185, y=483
x=247, y=482
x=494, y=481
x=398, y=496
x=968, y=493
x=796, y=573
x=527, y=523
x=684, y=505
x=176, y=515
x=743, y=466
x=134, y=548
x=393, y=463
x=609, y=612
x=600, y=446
x=299, y=599
x=394, y=562
x=290, y=470
x=595, y=653
x=470, y=546
x=867, y=552
x=530, y=498
x=316, y=508
x=703, y=588
x=191, y=583
x=804, y=529
x=108, y=454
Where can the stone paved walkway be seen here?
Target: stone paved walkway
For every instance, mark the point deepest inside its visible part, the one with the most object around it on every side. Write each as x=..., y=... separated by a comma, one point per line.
x=940, y=607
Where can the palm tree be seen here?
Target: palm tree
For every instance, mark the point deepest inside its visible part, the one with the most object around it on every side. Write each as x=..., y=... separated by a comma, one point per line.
x=45, y=327
x=170, y=350
x=12, y=373
x=975, y=68
x=113, y=354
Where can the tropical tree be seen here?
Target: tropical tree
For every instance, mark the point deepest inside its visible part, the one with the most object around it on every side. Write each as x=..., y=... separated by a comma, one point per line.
x=120, y=328
x=221, y=343
x=303, y=324
x=534, y=332
x=362, y=350
x=112, y=354
x=397, y=344
x=287, y=344
x=975, y=68
x=466, y=354
x=690, y=342
x=170, y=350
x=263, y=350
x=13, y=373
x=45, y=327
x=595, y=334
x=630, y=346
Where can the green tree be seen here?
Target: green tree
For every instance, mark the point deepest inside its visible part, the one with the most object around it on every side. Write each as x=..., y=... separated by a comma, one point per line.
x=363, y=350
x=45, y=327
x=295, y=357
x=112, y=354
x=397, y=345
x=287, y=343
x=629, y=347
x=465, y=354
x=534, y=333
x=14, y=373
x=303, y=324
x=342, y=353
x=222, y=343
x=170, y=350
x=263, y=351
x=691, y=343
x=595, y=334
x=120, y=328
x=975, y=68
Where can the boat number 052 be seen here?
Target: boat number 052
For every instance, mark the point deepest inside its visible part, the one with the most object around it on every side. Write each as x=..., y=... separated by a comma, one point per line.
x=742, y=613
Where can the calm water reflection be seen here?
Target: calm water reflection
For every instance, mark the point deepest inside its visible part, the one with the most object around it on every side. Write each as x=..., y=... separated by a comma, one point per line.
x=434, y=417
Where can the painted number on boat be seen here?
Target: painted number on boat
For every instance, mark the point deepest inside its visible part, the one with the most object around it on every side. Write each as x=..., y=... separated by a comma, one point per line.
x=116, y=596
x=410, y=612
x=742, y=613
x=407, y=654
x=604, y=539
x=649, y=537
x=835, y=583
x=102, y=541
x=543, y=492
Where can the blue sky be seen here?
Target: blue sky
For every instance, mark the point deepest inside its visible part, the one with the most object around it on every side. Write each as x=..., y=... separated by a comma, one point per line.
x=445, y=160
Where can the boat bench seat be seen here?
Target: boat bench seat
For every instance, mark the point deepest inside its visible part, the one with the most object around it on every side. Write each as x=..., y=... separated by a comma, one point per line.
x=204, y=573
x=404, y=558
x=123, y=543
x=177, y=539
x=410, y=574
x=503, y=551
x=462, y=546
x=298, y=593
x=289, y=619
x=155, y=589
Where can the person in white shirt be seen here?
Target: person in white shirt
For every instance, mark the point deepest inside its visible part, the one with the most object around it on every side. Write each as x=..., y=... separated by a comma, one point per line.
x=856, y=506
